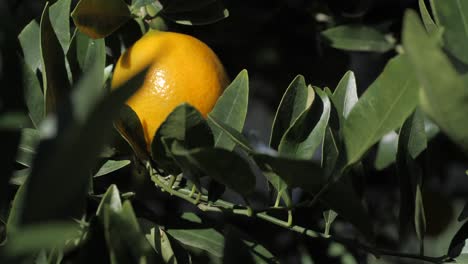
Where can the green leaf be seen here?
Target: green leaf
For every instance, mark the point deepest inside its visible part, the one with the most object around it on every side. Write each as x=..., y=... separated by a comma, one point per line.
x=99, y=18
x=208, y=14
x=14, y=217
x=54, y=74
x=330, y=152
x=224, y=166
x=311, y=178
x=429, y=23
x=27, y=148
x=452, y=16
x=31, y=239
x=90, y=88
x=297, y=98
x=278, y=184
x=111, y=199
x=307, y=134
x=68, y=158
x=329, y=216
x=419, y=216
x=383, y=107
x=386, y=150
x=30, y=40
x=357, y=38
x=13, y=121
x=436, y=73
x=207, y=239
x=186, y=125
x=111, y=166
x=231, y=109
x=235, y=250
x=60, y=19
x=33, y=96
x=233, y=134
x=129, y=127
x=458, y=241
x=345, y=96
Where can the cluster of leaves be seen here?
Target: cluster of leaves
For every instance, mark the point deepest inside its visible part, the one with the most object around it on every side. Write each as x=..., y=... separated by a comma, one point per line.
x=318, y=141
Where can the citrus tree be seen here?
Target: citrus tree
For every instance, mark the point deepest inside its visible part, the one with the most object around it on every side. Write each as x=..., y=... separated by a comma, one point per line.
x=135, y=151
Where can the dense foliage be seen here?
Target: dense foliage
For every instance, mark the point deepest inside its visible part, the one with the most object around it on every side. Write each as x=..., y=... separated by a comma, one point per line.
x=79, y=185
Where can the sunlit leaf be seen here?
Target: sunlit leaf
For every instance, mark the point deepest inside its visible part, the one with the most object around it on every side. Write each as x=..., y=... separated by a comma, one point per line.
x=231, y=109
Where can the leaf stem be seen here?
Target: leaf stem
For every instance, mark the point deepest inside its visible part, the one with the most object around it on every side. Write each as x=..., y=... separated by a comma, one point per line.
x=221, y=206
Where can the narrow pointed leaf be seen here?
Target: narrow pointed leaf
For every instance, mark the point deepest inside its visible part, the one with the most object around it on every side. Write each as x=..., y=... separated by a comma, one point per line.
x=111, y=166
x=129, y=126
x=345, y=95
x=233, y=134
x=60, y=19
x=55, y=78
x=429, y=23
x=33, y=96
x=383, y=107
x=357, y=38
x=296, y=100
x=231, y=109
x=436, y=73
x=29, y=40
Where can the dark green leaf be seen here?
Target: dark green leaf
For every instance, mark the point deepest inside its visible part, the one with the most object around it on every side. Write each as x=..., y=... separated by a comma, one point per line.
x=186, y=125
x=451, y=15
x=33, y=96
x=297, y=98
x=345, y=95
x=130, y=128
x=386, y=151
x=111, y=166
x=330, y=152
x=208, y=14
x=54, y=74
x=419, y=216
x=99, y=18
x=357, y=38
x=458, y=241
x=235, y=250
x=383, y=107
x=27, y=148
x=68, y=160
x=13, y=121
x=60, y=19
x=436, y=73
x=311, y=178
x=29, y=39
x=207, y=239
x=329, y=216
x=223, y=166
x=307, y=134
x=231, y=109
x=14, y=216
x=32, y=239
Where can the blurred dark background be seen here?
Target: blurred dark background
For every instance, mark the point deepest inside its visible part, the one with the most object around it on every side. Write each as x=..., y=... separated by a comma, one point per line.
x=275, y=40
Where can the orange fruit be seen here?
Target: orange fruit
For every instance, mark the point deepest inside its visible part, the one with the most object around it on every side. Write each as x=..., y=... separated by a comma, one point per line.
x=181, y=69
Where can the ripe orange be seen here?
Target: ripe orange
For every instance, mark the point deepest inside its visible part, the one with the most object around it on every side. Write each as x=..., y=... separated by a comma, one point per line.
x=181, y=69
